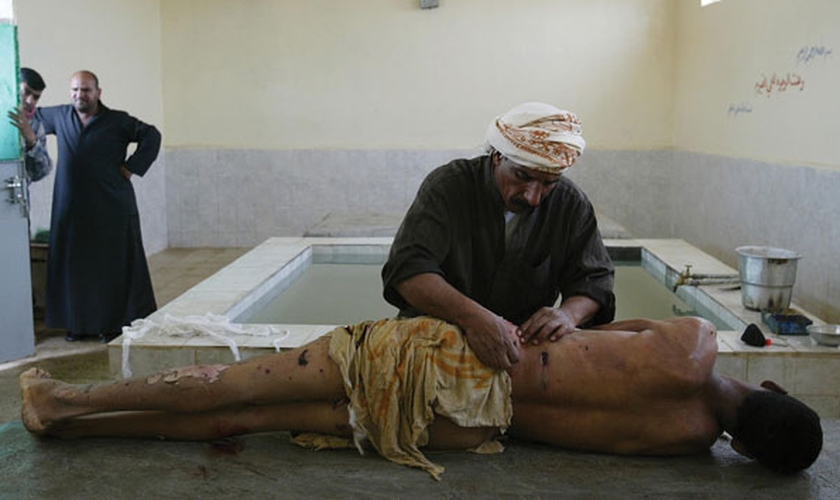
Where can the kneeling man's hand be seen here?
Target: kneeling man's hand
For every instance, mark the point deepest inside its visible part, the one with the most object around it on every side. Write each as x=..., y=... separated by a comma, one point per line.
x=549, y=323
x=495, y=341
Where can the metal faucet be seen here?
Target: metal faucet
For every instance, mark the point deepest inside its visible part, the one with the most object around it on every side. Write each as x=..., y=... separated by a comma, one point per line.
x=684, y=277
x=687, y=278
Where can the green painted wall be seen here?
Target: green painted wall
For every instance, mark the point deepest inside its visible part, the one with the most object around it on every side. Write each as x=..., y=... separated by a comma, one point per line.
x=9, y=88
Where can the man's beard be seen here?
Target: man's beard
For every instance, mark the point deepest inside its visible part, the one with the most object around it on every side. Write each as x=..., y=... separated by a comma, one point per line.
x=522, y=206
x=84, y=107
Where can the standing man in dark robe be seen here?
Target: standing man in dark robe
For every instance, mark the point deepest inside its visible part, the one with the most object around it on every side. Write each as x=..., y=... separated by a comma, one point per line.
x=97, y=276
x=491, y=242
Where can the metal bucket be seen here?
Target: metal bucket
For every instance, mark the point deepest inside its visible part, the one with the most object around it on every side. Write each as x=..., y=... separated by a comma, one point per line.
x=767, y=275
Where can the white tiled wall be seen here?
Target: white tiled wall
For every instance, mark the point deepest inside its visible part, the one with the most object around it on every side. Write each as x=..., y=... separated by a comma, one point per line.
x=718, y=203
x=241, y=198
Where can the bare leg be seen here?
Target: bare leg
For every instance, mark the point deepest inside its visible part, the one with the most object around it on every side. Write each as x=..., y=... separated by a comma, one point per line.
x=298, y=390
x=325, y=418
x=321, y=417
x=303, y=374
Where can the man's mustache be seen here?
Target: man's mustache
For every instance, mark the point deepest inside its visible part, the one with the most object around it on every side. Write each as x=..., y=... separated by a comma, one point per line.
x=521, y=204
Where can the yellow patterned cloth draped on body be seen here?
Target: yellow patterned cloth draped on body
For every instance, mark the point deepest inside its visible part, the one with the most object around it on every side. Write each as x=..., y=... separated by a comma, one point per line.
x=399, y=373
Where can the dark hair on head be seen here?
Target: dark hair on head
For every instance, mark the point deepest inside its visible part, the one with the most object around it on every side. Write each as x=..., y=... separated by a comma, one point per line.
x=779, y=431
x=32, y=78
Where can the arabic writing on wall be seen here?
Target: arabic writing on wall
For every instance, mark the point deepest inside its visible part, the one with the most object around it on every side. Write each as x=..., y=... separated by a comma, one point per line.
x=737, y=108
x=781, y=83
x=768, y=86
x=807, y=54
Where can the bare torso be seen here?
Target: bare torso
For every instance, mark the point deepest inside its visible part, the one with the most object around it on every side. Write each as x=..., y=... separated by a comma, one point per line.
x=644, y=390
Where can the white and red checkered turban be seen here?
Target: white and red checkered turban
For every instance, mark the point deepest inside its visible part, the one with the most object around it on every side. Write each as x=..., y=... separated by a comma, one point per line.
x=538, y=136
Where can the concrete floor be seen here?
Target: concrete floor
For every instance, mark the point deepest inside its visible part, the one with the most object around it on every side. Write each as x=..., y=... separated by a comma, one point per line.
x=268, y=466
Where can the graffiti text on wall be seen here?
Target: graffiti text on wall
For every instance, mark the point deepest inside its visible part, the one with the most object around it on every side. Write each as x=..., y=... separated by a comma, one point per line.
x=775, y=83
x=807, y=54
x=737, y=108
x=788, y=81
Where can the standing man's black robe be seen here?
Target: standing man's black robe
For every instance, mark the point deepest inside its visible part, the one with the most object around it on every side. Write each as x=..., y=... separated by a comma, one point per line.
x=97, y=277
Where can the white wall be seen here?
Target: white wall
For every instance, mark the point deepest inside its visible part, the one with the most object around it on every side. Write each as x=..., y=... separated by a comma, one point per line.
x=288, y=75
x=281, y=112
x=729, y=53
x=728, y=56
x=750, y=167
x=384, y=74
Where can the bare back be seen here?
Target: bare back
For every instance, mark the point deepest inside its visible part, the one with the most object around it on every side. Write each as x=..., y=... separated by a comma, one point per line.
x=635, y=387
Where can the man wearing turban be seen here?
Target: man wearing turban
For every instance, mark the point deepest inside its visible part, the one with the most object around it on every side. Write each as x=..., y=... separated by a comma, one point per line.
x=491, y=242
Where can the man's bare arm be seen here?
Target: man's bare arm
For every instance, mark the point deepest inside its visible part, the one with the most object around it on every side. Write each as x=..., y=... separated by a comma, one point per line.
x=629, y=325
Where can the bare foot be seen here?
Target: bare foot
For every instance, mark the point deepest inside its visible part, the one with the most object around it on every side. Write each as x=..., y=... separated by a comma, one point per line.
x=35, y=388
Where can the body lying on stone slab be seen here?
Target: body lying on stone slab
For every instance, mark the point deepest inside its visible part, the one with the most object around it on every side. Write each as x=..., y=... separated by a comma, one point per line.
x=636, y=387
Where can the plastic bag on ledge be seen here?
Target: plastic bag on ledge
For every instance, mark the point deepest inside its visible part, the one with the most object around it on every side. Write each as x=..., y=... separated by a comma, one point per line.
x=211, y=325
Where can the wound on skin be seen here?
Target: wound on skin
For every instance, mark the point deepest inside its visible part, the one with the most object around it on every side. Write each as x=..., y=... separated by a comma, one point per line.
x=211, y=373
x=302, y=361
x=544, y=362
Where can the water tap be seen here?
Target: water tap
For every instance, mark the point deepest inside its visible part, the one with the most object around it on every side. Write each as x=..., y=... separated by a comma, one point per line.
x=684, y=277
